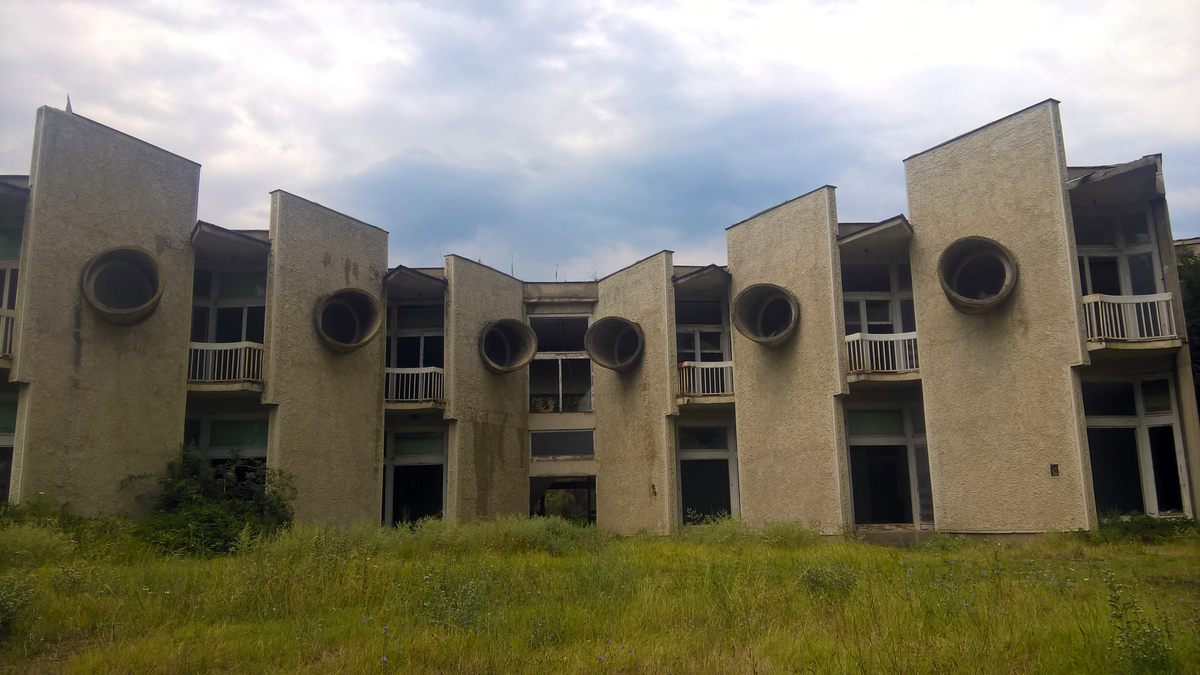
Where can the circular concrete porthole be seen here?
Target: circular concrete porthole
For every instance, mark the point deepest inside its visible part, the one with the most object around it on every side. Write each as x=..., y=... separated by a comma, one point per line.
x=766, y=314
x=347, y=319
x=615, y=343
x=977, y=274
x=506, y=345
x=122, y=284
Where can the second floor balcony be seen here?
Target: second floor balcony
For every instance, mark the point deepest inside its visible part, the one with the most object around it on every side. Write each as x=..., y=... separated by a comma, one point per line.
x=225, y=363
x=1129, y=321
x=889, y=355
x=425, y=385
x=706, y=378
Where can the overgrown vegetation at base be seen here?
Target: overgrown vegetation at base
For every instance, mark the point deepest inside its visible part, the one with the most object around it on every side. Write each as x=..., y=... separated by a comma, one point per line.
x=523, y=595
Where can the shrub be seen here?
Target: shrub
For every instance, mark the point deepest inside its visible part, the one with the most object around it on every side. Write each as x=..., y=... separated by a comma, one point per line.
x=15, y=594
x=204, y=509
x=1116, y=527
x=1138, y=641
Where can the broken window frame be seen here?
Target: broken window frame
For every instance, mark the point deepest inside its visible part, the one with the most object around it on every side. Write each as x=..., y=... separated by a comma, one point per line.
x=1142, y=422
x=585, y=403
x=222, y=452
x=911, y=440
x=896, y=297
x=552, y=458
x=393, y=334
x=213, y=302
x=729, y=454
x=391, y=460
x=1120, y=250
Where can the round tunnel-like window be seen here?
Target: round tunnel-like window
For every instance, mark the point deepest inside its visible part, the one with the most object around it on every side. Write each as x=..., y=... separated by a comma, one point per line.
x=347, y=319
x=766, y=314
x=123, y=285
x=507, y=345
x=614, y=343
x=977, y=274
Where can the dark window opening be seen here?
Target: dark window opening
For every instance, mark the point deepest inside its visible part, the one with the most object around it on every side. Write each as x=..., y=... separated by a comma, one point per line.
x=775, y=317
x=120, y=284
x=1166, y=469
x=880, y=481
x=341, y=323
x=6, y=456
x=408, y=353
x=419, y=316
x=979, y=276
x=866, y=278
x=571, y=498
x=1109, y=399
x=255, y=324
x=199, y=324
x=416, y=493
x=1106, y=275
x=704, y=488
x=1116, y=477
x=561, y=443
x=229, y=325
x=698, y=312
x=202, y=284
x=703, y=438
x=11, y=300
x=559, y=334
x=252, y=470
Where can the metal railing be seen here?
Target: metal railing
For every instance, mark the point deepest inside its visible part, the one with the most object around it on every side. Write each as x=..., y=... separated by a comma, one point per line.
x=698, y=378
x=219, y=362
x=882, y=352
x=8, y=326
x=414, y=384
x=1129, y=318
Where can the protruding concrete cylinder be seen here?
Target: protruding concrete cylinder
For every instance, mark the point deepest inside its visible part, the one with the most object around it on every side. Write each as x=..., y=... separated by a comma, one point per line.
x=615, y=343
x=122, y=285
x=347, y=319
x=766, y=314
x=977, y=274
x=507, y=345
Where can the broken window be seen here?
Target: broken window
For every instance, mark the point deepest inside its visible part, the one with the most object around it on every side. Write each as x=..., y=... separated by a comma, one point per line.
x=889, y=465
x=561, y=444
x=1117, y=253
x=877, y=298
x=414, y=478
x=560, y=375
x=707, y=471
x=571, y=498
x=881, y=484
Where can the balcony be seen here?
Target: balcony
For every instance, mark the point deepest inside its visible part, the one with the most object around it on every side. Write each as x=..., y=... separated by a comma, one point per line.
x=882, y=356
x=225, y=366
x=8, y=327
x=405, y=388
x=712, y=382
x=1130, y=321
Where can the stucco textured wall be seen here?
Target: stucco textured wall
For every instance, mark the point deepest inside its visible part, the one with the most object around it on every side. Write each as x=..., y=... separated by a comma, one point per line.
x=636, y=485
x=791, y=456
x=1002, y=401
x=488, y=442
x=100, y=402
x=326, y=426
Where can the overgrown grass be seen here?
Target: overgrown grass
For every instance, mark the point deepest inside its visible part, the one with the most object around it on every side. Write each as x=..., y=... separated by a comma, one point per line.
x=521, y=595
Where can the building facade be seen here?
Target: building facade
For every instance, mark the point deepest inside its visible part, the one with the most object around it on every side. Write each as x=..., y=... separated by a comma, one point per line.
x=1008, y=357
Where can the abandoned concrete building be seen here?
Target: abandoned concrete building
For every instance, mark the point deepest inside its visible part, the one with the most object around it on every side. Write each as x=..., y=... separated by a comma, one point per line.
x=1008, y=357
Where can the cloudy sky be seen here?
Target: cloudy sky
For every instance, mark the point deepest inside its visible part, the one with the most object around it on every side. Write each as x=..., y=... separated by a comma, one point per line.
x=572, y=138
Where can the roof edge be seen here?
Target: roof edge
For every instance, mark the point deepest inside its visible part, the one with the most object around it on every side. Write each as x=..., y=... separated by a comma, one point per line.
x=783, y=203
x=982, y=127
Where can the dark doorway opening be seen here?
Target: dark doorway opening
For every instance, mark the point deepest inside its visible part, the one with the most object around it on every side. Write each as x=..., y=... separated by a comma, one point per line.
x=704, y=484
x=1166, y=469
x=571, y=498
x=1116, y=477
x=881, y=484
x=6, y=455
x=416, y=493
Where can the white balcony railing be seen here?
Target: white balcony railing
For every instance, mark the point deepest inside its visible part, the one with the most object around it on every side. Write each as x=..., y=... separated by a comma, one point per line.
x=222, y=362
x=706, y=378
x=414, y=384
x=882, y=352
x=8, y=326
x=1129, y=318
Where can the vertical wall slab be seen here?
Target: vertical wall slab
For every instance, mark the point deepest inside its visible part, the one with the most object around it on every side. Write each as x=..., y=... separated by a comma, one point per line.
x=326, y=426
x=488, y=441
x=1002, y=401
x=636, y=483
x=100, y=402
x=790, y=430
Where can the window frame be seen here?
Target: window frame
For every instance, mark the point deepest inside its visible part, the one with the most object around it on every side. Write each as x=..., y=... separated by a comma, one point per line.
x=729, y=453
x=895, y=297
x=213, y=302
x=587, y=403
x=391, y=461
x=911, y=439
x=1119, y=250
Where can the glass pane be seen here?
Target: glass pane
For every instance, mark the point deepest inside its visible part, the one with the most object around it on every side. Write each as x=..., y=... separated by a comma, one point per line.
x=863, y=278
x=704, y=484
x=10, y=242
x=8, y=417
x=853, y=320
x=229, y=324
x=1109, y=398
x=238, y=433
x=419, y=316
x=1094, y=232
x=543, y=386
x=435, y=354
x=908, y=317
x=703, y=438
x=561, y=444
x=698, y=312
x=1141, y=274
x=1156, y=397
x=243, y=285
x=1136, y=229
x=255, y=320
x=559, y=334
x=199, y=324
x=879, y=316
x=202, y=284
x=875, y=422
x=1106, y=277
x=903, y=277
x=1116, y=478
x=417, y=444
x=1166, y=469
x=576, y=385
x=407, y=352
x=710, y=342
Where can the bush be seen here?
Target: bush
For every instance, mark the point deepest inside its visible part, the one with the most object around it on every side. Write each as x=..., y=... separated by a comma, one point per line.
x=15, y=594
x=205, y=510
x=1139, y=527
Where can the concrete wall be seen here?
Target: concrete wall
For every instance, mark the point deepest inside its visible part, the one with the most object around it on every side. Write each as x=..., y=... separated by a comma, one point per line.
x=791, y=435
x=636, y=484
x=100, y=402
x=488, y=444
x=326, y=427
x=1002, y=401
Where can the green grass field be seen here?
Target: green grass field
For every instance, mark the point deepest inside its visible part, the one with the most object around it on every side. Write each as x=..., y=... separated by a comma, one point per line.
x=521, y=595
